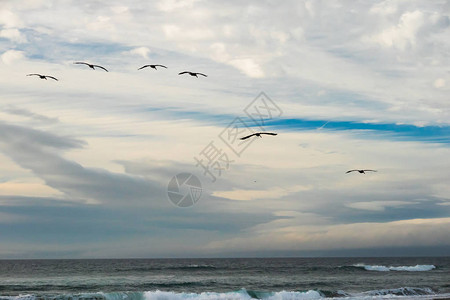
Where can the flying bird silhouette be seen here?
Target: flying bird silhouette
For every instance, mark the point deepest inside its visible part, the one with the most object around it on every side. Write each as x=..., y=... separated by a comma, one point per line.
x=258, y=134
x=192, y=73
x=152, y=66
x=43, y=76
x=90, y=65
x=361, y=171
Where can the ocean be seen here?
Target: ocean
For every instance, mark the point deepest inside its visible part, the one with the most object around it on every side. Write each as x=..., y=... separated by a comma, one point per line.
x=226, y=278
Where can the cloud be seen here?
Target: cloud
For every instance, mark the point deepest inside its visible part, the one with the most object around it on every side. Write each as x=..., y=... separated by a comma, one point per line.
x=142, y=51
x=170, y=5
x=27, y=188
x=274, y=193
x=10, y=137
x=404, y=34
x=26, y=113
x=178, y=33
x=305, y=55
x=13, y=34
x=414, y=232
x=439, y=83
x=11, y=56
x=11, y=218
x=248, y=67
x=104, y=160
x=120, y=9
x=378, y=205
x=384, y=8
x=9, y=19
x=34, y=150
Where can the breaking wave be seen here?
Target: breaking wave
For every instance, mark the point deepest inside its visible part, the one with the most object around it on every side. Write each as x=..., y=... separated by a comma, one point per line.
x=243, y=294
x=404, y=291
x=416, y=268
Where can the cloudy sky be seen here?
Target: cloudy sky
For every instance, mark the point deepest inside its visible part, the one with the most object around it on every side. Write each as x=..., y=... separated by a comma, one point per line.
x=85, y=161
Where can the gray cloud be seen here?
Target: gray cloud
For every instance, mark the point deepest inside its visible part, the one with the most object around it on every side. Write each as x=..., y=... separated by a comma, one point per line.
x=34, y=150
x=13, y=137
x=381, y=62
x=27, y=113
x=98, y=205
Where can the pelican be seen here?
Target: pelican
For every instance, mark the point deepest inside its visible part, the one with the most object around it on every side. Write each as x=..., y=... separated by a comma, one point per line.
x=43, y=76
x=258, y=134
x=90, y=65
x=192, y=73
x=152, y=66
x=361, y=171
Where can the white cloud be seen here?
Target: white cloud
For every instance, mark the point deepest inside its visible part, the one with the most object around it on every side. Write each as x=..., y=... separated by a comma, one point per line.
x=313, y=59
x=273, y=193
x=385, y=8
x=13, y=34
x=403, y=35
x=423, y=232
x=9, y=19
x=180, y=34
x=101, y=23
x=439, y=83
x=170, y=5
x=248, y=66
x=120, y=9
x=11, y=56
x=141, y=51
x=310, y=8
x=377, y=205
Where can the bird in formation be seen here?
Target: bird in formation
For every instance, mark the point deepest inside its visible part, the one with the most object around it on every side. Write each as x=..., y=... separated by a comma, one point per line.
x=43, y=76
x=192, y=73
x=90, y=65
x=360, y=171
x=152, y=66
x=257, y=134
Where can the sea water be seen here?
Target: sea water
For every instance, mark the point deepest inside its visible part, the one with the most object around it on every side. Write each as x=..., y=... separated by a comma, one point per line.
x=239, y=278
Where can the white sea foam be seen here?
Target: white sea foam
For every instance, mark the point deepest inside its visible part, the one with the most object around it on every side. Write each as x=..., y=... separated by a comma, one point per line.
x=20, y=297
x=295, y=295
x=239, y=295
x=399, y=293
x=162, y=295
x=416, y=268
x=403, y=291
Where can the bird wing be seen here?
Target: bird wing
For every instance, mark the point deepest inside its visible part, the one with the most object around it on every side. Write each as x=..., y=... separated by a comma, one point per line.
x=370, y=170
x=81, y=63
x=351, y=171
x=183, y=72
x=160, y=66
x=246, y=137
x=201, y=74
x=52, y=77
x=34, y=74
x=100, y=67
x=144, y=67
x=269, y=133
